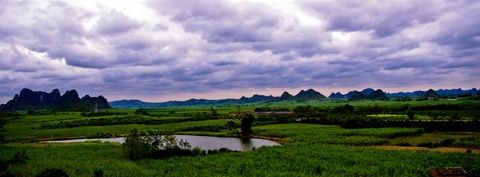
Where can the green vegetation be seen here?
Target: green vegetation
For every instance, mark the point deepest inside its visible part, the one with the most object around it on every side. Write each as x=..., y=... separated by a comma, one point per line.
x=246, y=124
x=314, y=140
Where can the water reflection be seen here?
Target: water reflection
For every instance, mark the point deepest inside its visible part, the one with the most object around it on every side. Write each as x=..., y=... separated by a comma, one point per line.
x=203, y=142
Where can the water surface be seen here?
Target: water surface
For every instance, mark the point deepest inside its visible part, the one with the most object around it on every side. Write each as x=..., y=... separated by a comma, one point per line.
x=203, y=142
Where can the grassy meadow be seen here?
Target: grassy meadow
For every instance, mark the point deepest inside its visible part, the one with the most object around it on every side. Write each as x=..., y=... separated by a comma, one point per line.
x=308, y=149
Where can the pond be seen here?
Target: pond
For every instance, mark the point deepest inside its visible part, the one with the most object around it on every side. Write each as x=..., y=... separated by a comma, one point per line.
x=203, y=142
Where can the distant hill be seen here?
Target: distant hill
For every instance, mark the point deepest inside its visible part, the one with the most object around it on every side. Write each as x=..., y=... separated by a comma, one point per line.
x=440, y=92
x=309, y=94
x=286, y=96
x=370, y=93
x=28, y=99
x=367, y=93
x=302, y=95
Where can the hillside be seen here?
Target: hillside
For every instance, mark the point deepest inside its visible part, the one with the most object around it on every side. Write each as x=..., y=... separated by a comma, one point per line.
x=28, y=99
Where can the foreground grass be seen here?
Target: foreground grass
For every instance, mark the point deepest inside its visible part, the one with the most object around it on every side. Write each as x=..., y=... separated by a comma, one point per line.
x=308, y=152
x=297, y=159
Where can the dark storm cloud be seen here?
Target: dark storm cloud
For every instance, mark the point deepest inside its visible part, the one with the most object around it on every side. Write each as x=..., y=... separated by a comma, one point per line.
x=200, y=46
x=385, y=18
x=222, y=21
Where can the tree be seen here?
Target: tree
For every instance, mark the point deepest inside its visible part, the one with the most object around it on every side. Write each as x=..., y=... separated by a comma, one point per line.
x=153, y=145
x=343, y=109
x=246, y=124
x=134, y=147
x=410, y=114
x=141, y=111
x=214, y=112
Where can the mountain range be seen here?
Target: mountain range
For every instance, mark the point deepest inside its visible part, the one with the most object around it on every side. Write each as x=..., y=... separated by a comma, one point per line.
x=28, y=99
x=302, y=95
x=309, y=94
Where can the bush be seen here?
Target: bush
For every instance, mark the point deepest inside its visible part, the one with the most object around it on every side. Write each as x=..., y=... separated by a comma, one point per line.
x=410, y=115
x=6, y=174
x=98, y=173
x=447, y=142
x=2, y=138
x=343, y=109
x=141, y=111
x=154, y=145
x=19, y=157
x=135, y=147
x=52, y=172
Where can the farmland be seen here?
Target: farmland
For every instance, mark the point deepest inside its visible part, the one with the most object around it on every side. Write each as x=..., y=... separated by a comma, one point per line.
x=309, y=147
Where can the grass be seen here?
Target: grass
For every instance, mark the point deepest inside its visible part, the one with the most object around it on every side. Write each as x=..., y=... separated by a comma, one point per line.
x=308, y=150
x=289, y=160
x=332, y=134
x=462, y=139
x=22, y=132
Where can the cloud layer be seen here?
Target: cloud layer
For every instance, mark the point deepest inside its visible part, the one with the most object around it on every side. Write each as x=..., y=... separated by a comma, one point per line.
x=156, y=49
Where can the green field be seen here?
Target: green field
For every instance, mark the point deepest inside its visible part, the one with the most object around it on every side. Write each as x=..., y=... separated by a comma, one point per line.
x=307, y=150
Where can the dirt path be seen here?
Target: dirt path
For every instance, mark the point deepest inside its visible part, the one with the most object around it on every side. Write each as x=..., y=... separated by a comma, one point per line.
x=439, y=149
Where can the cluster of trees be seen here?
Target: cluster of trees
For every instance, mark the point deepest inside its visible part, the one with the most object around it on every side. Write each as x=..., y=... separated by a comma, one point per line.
x=159, y=145
x=153, y=145
x=445, y=116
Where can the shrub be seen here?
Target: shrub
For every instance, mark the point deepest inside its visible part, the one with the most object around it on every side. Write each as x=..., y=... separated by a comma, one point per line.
x=410, y=115
x=318, y=170
x=141, y=111
x=198, y=151
x=154, y=145
x=447, y=142
x=3, y=165
x=2, y=138
x=454, y=117
x=6, y=174
x=343, y=109
x=52, y=172
x=19, y=157
x=98, y=173
x=135, y=147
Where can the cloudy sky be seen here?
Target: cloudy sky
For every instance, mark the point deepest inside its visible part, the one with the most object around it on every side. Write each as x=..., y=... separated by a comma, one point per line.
x=178, y=49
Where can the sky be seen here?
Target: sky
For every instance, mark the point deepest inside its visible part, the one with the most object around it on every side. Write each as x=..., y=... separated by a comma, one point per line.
x=178, y=49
